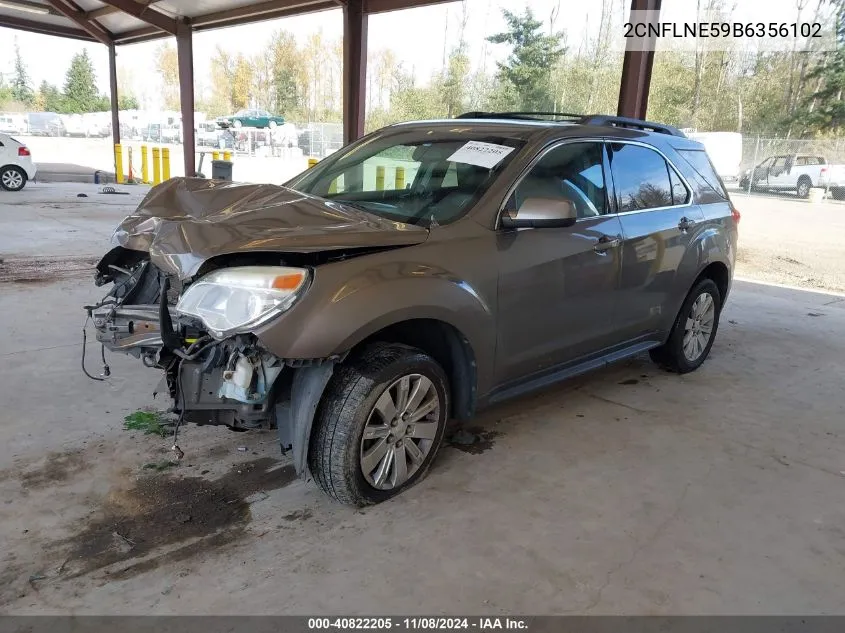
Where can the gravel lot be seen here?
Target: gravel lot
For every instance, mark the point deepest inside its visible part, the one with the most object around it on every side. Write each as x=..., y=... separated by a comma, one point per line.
x=791, y=241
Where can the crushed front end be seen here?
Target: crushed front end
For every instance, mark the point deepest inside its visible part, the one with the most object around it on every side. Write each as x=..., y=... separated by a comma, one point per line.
x=213, y=377
x=200, y=267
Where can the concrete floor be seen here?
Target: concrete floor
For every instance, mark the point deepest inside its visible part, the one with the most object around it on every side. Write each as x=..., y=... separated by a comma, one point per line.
x=626, y=491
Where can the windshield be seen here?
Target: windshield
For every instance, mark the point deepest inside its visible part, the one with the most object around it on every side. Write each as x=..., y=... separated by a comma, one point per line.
x=418, y=177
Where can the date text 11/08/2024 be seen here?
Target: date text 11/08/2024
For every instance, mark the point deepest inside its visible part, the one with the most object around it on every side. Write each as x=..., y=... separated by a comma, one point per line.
x=418, y=623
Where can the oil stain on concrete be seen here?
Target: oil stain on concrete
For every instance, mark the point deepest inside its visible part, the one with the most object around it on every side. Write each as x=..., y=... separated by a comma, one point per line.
x=161, y=511
x=32, y=270
x=474, y=440
x=55, y=469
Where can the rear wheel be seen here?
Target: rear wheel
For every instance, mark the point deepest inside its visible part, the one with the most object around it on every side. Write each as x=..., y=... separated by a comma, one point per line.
x=804, y=184
x=12, y=178
x=379, y=425
x=693, y=332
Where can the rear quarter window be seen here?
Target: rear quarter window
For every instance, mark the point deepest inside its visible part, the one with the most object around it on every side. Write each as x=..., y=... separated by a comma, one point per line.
x=700, y=163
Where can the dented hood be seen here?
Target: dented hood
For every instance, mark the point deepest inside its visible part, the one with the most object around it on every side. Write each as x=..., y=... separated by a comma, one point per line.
x=185, y=221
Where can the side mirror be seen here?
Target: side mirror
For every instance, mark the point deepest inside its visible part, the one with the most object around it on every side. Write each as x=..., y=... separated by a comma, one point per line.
x=541, y=213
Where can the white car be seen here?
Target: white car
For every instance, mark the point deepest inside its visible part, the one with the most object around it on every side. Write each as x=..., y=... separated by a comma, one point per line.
x=16, y=166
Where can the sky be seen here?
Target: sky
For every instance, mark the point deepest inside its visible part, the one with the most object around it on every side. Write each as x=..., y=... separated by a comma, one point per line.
x=418, y=36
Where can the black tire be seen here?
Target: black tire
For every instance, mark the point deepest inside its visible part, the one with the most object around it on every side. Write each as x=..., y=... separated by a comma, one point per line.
x=743, y=184
x=12, y=170
x=671, y=355
x=334, y=455
x=804, y=184
x=838, y=193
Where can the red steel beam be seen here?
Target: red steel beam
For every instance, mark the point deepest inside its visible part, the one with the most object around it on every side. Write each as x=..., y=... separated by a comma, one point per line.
x=108, y=10
x=636, y=71
x=382, y=6
x=354, y=69
x=145, y=14
x=73, y=12
x=185, y=51
x=115, y=117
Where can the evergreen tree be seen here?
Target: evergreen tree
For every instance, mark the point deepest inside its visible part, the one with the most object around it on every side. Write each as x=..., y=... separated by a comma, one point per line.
x=5, y=93
x=50, y=98
x=287, y=75
x=81, y=93
x=453, y=88
x=526, y=72
x=824, y=109
x=20, y=84
x=125, y=101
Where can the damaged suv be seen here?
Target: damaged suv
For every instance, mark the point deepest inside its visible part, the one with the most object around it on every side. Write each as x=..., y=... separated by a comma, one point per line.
x=419, y=274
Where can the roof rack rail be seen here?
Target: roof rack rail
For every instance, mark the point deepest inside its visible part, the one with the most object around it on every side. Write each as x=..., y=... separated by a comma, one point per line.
x=523, y=116
x=637, y=124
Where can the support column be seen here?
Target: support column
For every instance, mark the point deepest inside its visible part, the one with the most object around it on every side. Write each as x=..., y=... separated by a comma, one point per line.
x=185, y=51
x=636, y=70
x=115, y=117
x=354, y=69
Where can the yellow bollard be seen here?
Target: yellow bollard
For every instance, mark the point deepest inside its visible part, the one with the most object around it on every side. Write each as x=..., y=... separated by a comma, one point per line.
x=118, y=164
x=400, y=178
x=165, y=163
x=312, y=162
x=156, y=166
x=215, y=155
x=380, y=178
x=145, y=167
x=227, y=155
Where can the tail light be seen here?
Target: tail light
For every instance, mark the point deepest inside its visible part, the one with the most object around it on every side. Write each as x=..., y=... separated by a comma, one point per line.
x=823, y=171
x=23, y=151
x=736, y=215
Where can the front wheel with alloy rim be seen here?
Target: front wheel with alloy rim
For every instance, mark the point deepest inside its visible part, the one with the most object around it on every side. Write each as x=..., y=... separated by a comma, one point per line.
x=694, y=330
x=12, y=178
x=379, y=425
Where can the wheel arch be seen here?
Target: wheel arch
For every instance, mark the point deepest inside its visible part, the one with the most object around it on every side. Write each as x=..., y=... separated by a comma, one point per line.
x=719, y=273
x=447, y=345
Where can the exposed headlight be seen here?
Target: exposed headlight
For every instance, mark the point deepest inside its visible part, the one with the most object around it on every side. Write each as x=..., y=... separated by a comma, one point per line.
x=234, y=300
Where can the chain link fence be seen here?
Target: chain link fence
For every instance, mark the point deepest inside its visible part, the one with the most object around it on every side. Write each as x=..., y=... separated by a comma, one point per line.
x=813, y=168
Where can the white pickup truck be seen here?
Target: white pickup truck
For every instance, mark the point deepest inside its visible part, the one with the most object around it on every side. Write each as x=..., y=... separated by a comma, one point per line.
x=798, y=173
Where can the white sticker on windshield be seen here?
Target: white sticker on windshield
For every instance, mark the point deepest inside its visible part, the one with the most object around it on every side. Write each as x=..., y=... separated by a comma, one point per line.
x=481, y=154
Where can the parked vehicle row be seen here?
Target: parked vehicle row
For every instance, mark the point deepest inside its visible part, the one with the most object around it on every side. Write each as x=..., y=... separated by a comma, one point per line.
x=357, y=313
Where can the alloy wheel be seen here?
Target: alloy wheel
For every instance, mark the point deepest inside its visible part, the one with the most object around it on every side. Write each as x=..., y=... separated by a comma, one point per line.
x=400, y=432
x=11, y=179
x=699, y=326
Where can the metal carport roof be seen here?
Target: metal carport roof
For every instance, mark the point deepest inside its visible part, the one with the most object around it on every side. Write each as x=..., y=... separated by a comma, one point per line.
x=130, y=21
x=116, y=22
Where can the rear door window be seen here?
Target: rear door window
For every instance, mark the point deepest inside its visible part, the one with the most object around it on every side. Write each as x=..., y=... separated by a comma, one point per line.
x=701, y=165
x=642, y=178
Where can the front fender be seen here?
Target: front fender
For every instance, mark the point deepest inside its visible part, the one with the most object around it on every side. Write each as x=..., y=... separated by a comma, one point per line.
x=337, y=313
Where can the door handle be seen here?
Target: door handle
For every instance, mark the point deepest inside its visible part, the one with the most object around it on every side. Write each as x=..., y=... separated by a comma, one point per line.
x=605, y=243
x=686, y=224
